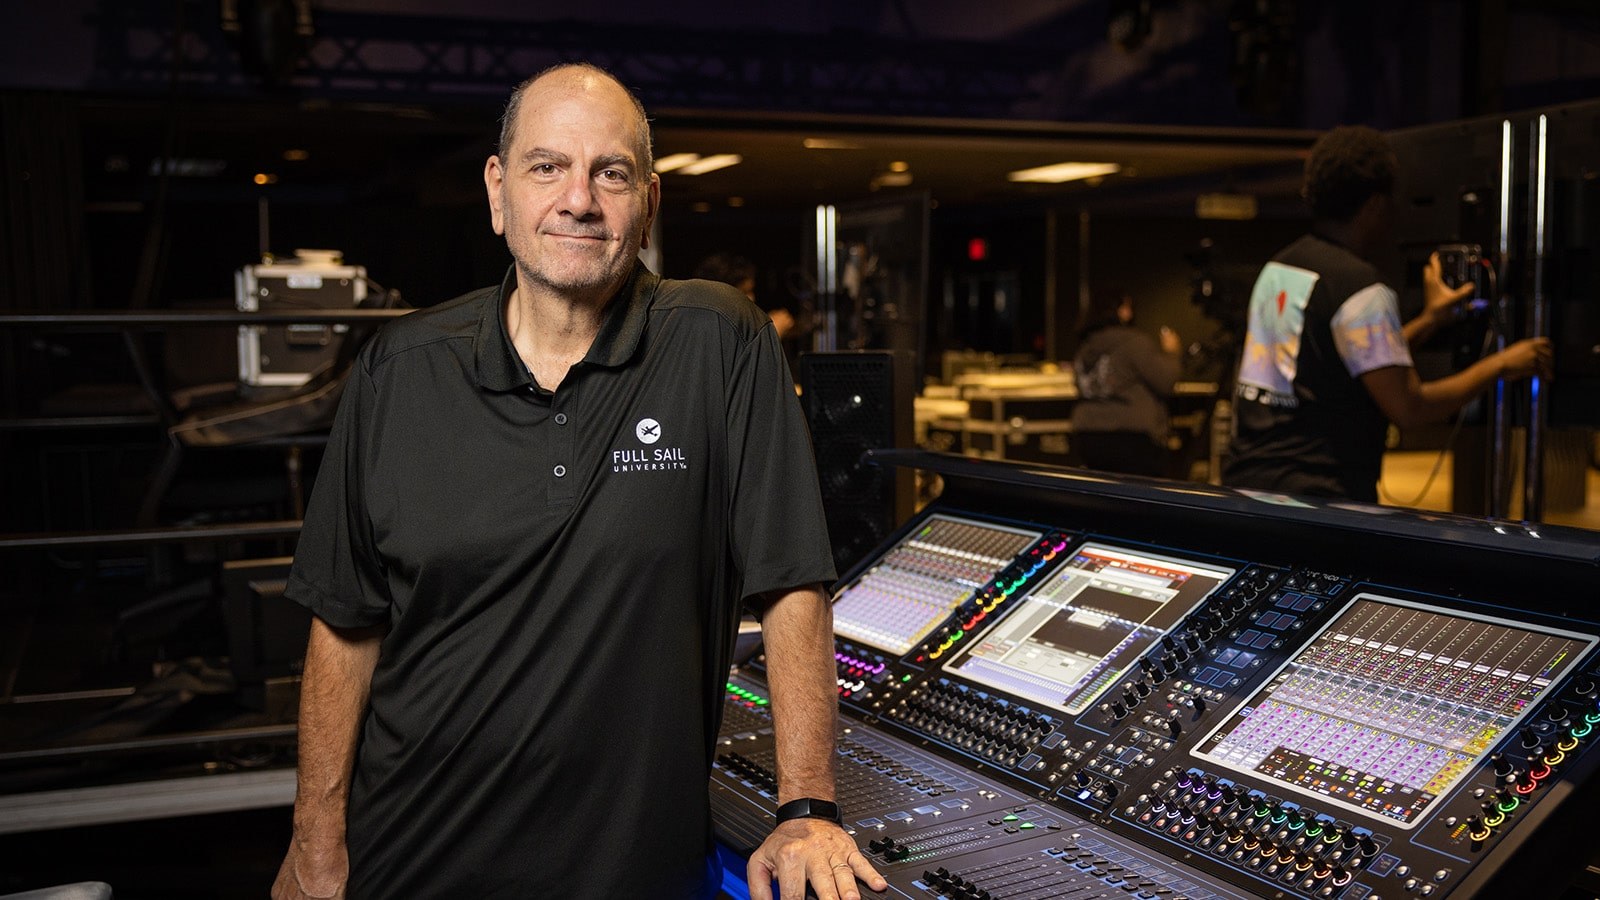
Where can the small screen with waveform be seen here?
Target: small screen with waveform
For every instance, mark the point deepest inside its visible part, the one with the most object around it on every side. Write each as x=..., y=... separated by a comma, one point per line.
x=1391, y=704
x=1063, y=644
x=922, y=579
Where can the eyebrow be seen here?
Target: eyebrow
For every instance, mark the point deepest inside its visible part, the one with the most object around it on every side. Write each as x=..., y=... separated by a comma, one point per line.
x=542, y=153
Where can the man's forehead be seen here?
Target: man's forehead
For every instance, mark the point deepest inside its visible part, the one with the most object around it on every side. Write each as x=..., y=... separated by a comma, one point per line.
x=549, y=107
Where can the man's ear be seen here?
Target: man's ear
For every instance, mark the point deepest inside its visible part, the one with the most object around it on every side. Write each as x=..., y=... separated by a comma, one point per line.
x=494, y=179
x=652, y=206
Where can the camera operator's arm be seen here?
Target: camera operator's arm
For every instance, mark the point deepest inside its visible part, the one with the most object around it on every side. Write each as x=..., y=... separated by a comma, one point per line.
x=1408, y=401
x=1439, y=301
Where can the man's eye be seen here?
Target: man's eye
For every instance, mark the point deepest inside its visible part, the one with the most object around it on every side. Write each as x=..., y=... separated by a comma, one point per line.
x=613, y=175
x=544, y=169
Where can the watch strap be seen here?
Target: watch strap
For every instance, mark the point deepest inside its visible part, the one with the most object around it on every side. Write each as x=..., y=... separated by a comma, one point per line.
x=810, y=808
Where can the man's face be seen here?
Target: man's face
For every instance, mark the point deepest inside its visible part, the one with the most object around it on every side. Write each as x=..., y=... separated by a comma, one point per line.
x=572, y=198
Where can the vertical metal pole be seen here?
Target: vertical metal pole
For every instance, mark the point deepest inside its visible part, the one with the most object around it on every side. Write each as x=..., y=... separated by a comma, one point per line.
x=263, y=229
x=1052, y=298
x=827, y=334
x=1533, y=478
x=1083, y=262
x=1496, y=494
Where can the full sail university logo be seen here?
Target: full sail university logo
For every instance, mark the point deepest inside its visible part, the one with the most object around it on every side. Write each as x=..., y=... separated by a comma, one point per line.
x=649, y=458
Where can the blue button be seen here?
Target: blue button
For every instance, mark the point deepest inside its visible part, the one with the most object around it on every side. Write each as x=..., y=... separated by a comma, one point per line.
x=1051, y=742
x=1029, y=761
x=1221, y=679
x=1268, y=620
x=1286, y=622
x=1248, y=638
x=1288, y=600
x=1244, y=659
x=1226, y=657
x=1304, y=603
x=1206, y=674
x=1262, y=640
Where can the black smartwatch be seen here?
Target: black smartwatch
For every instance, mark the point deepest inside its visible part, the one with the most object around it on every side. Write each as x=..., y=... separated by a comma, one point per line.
x=810, y=808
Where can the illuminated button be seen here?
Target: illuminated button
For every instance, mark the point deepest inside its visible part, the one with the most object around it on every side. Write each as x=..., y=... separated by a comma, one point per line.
x=1508, y=805
x=1567, y=744
x=560, y=471
x=561, y=418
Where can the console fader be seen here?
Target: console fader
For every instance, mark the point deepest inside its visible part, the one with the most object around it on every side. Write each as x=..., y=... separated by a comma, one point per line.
x=1091, y=692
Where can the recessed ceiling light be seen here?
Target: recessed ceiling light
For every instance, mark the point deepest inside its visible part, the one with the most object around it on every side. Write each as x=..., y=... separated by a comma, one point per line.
x=1067, y=171
x=675, y=161
x=296, y=155
x=735, y=201
x=899, y=165
x=712, y=163
x=830, y=144
x=700, y=206
x=265, y=178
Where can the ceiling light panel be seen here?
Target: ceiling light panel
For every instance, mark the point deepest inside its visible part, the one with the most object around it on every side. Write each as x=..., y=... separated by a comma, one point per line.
x=1067, y=171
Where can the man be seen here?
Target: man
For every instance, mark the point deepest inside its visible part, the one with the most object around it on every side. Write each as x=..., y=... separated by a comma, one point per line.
x=539, y=508
x=1327, y=364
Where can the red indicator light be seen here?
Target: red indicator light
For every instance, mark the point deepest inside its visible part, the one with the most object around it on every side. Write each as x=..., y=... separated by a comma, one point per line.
x=977, y=249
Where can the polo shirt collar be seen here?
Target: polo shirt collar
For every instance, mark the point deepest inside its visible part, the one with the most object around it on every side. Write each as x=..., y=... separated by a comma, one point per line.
x=499, y=368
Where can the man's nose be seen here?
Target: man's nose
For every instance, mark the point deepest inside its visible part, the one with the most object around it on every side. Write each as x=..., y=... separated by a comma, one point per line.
x=578, y=195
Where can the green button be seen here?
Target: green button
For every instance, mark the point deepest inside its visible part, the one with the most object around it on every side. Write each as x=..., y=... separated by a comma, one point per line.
x=1009, y=818
x=1026, y=825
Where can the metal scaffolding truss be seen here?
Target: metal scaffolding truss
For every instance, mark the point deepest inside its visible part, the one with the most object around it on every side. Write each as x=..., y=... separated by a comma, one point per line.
x=358, y=56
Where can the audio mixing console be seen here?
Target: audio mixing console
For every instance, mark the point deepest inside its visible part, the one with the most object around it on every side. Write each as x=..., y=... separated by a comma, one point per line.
x=1057, y=687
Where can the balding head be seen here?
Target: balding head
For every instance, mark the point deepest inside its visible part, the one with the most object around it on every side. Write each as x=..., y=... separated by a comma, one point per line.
x=580, y=76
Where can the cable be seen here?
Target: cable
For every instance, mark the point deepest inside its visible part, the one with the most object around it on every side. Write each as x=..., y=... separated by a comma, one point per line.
x=1450, y=442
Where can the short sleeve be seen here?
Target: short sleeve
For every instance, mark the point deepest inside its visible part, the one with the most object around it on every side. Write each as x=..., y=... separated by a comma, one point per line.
x=337, y=573
x=777, y=530
x=1367, y=331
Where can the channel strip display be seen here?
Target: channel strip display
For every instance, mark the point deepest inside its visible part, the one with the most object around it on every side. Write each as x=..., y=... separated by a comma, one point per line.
x=1391, y=704
x=918, y=583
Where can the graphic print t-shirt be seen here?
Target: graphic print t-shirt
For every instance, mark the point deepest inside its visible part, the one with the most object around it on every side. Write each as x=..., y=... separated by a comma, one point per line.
x=1320, y=317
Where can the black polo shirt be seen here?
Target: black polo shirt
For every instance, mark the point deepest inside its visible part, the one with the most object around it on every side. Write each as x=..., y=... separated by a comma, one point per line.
x=560, y=574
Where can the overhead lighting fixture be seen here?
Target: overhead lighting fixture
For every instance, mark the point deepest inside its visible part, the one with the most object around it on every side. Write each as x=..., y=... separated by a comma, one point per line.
x=830, y=144
x=711, y=163
x=265, y=178
x=675, y=161
x=1067, y=171
x=296, y=155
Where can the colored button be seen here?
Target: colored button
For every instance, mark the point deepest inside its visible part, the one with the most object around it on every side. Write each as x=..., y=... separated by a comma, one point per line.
x=1226, y=657
x=1247, y=639
x=1304, y=603
x=561, y=418
x=1206, y=674
x=1262, y=640
x=1287, y=600
x=1268, y=620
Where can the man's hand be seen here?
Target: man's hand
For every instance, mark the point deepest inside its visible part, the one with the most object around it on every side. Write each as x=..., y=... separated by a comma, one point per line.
x=1438, y=299
x=312, y=873
x=813, y=850
x=1533, y=356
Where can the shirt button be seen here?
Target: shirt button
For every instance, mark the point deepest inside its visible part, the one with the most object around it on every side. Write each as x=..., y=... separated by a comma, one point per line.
x=561, y=418
x=560, y=471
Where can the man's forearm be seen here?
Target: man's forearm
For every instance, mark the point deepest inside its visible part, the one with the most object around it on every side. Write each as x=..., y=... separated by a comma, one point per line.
x=1418, y=330
x=797, y=631
x=333, y=699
